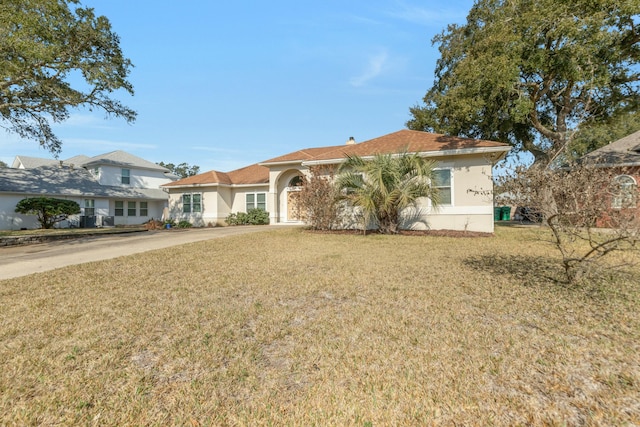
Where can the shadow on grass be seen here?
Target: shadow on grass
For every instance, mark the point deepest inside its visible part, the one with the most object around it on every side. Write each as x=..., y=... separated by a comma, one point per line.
x=530, y=271
x=526, y=270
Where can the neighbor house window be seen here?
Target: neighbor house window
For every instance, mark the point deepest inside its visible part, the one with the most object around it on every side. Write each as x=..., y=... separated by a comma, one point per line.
x=256, y=200
x=626, y=194
x=125, y=178
x=131, y=208
x=89, y=207
x=192, y=202
x=144, y=211
x=119, y=208
x=442, y=181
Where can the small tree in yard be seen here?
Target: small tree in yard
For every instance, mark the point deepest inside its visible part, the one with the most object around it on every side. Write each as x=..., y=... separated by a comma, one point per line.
x=319, y=200
x=575, y=202
x=386, y=184
x=50, y=211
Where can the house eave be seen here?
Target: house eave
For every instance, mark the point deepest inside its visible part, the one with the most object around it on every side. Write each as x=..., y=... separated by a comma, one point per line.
x=261, y=184
x=288, y=162
x=503, y=150
x=169, y=187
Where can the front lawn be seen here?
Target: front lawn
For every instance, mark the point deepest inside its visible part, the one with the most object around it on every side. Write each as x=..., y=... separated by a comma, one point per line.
x=288, y=327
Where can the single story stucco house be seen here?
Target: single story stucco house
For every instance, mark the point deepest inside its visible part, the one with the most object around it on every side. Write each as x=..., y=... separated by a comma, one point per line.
x=464, y=168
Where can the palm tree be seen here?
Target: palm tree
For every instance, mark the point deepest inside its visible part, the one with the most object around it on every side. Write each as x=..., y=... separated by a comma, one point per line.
x=383, y=186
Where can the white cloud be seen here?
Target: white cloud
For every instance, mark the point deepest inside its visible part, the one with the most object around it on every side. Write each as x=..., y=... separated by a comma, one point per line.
x=375, y=67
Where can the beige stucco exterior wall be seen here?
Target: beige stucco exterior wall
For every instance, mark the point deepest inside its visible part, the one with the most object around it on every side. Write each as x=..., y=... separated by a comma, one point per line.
x=224, y=199
x=472, y=199
x=239, y=197
x=209, y=214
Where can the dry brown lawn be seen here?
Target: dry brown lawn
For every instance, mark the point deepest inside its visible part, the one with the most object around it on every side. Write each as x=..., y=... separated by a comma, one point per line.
x=292, y=328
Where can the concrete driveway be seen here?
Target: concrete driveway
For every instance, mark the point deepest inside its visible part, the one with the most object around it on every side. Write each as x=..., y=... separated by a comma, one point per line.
x=17, y=261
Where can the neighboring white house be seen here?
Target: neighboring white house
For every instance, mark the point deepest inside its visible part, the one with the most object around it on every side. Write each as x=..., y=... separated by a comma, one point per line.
x=464, y=168
x=115, y=188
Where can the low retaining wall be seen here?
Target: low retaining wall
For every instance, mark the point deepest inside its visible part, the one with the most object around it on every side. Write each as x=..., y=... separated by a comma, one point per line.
x=32, y=239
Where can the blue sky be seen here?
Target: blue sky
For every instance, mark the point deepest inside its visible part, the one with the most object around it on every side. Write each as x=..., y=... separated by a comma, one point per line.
x=223, y=85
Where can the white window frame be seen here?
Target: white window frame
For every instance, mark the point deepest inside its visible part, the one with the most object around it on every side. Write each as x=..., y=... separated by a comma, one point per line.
x=130, y=208
x=450, y=186
x=627, y=197
x=125, y=176
x=116, y=208
x=144, y=208
x=190, y=208
x=89, y=207
x=255, y=203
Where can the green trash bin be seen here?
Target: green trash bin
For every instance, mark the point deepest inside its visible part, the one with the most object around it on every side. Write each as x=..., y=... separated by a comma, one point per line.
x=505, y=213
x=497, y=213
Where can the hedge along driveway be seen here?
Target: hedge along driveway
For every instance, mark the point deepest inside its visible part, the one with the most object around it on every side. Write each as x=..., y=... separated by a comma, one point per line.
x=25, y=260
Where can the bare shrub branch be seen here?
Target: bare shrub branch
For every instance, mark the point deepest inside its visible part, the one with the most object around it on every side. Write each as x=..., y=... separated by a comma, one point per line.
x=318, y=203
x=591, y=211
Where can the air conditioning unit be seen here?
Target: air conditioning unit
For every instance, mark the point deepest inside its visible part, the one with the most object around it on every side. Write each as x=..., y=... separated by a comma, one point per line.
x=108, y=221
x=88, y=221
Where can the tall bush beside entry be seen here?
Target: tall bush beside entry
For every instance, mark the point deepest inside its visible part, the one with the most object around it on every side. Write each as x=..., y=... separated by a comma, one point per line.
x=319, y=199
x=49, y=211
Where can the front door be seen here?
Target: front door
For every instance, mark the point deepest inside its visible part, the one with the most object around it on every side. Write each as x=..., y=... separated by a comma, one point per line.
x=293, y=213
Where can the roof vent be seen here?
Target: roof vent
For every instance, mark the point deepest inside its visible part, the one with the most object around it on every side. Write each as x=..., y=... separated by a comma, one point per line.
x=351, y=141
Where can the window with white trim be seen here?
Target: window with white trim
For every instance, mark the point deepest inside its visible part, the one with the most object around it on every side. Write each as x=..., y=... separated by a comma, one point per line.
x=256, y=200
x=89, y=207
x=131, y=208
x=442, y=181
x=144, y=209
x=625, y=197
x=192, y=203
x=119, y=208
x=125, y=177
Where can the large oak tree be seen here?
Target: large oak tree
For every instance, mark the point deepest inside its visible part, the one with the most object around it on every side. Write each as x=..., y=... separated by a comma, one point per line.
x=533, y=73
x=56, y=55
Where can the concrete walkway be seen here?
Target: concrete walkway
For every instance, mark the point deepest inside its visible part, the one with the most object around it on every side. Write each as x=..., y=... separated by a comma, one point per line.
x=17, y=261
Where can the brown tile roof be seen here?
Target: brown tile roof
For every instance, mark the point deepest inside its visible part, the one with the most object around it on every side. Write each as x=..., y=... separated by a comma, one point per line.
x=211, y=177
x=407, y=140
x=302, y=155
x=253, y=174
